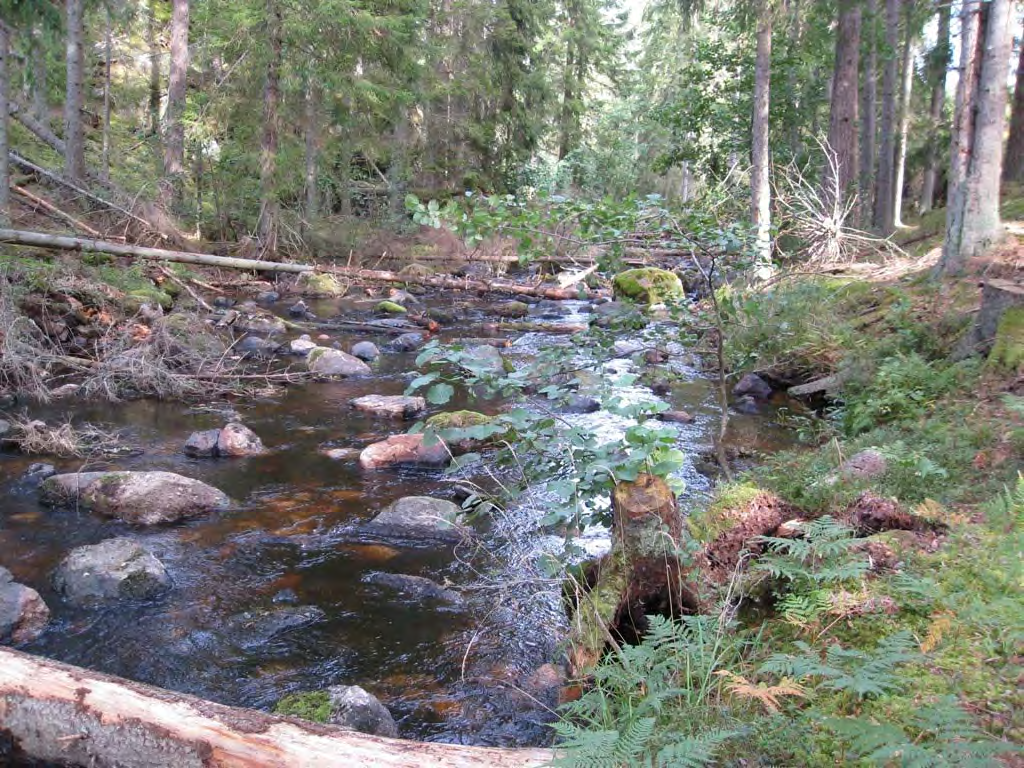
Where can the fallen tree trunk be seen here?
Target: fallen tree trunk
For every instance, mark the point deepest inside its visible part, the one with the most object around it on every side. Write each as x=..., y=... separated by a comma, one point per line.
x=495, y=285
x=61, y=242
x=66, y=714
x=53, y=210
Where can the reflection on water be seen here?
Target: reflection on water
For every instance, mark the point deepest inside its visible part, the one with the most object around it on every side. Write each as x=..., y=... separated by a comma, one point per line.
x=447, y=672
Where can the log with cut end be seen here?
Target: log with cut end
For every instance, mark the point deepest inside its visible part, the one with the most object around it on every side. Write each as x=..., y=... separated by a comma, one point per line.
x=641, y=575
x=72, y=716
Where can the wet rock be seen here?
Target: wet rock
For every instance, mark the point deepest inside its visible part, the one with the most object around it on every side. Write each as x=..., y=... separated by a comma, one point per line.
x=333, y=362
x=627, y=347
x=6, y=429
x=391, y=308
x=545, y=679
x=268, y=297
x=655, y=356
x=676, y=417
x=37, y=473
x=547, y=308
x=649, y=285
x=285, y=596
x=23, y=614
x=223, y=302
x=65, y=391
x=582, y=404
x=237, y=440
x=141, y=498
x=365, y=350
x=301, y=346
x=404, y=449
x=405, y=298
x=511, y=309
x=485, y=359
x=394, y=406
x=661, y=386
x=115, y=569
x=422, y=516
x=352, y=707
x=255, y=628
x=753, y=385
x=256, y=346
x=407, y=342
x=202, y=445
x=341, y=454
x=747, y=404
x=298, y=309
x=866, y=465
x=416, y=588
x=258, y=321
x=319, y=285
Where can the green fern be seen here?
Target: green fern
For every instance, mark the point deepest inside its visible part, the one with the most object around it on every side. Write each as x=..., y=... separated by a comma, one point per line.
x=941, y=734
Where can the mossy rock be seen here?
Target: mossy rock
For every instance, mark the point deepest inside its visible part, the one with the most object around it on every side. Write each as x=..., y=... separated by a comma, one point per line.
x=134, y=300
x=512, y=309
x=319, y=285
x=725, y=511
x=649, y=285
x=192, y=333
x=1008, y=351
x=458, y=420
x=311, y=705
x=415, y=271
x=391, y=308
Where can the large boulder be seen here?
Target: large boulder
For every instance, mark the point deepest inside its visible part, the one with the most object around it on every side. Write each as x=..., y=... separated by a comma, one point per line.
x=404, y=449
x=23, y=614
x=115, y=569
x=422, y=517
x=141, y=498
x=238, y=440
x=649, y=285
x=325, y=361
x=319, y=285
x=394, y=406
x=352, y=707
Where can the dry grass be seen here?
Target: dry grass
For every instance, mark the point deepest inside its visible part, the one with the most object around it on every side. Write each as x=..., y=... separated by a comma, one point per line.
x=65, y=440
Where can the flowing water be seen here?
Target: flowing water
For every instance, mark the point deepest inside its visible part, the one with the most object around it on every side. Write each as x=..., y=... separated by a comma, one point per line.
x=447, y=672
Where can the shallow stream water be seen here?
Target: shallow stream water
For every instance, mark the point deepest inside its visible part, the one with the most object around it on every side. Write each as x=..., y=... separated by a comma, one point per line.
x=447, y=673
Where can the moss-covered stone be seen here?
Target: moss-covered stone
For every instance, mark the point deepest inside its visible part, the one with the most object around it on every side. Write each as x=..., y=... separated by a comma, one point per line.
x=415, y=271
x=319, y=285
x=725, y=511
x=458, y=420
x=512, y=309
x=391, y=308
x=1008, y=350
x=311, y=705
x=134, y=300
x=649, y=285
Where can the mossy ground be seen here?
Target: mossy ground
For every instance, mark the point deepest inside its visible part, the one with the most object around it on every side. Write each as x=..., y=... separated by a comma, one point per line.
x=312, y=705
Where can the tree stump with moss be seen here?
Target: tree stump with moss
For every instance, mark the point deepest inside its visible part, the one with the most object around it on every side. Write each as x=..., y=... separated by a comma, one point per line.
x=642, y=575
x=999, y=329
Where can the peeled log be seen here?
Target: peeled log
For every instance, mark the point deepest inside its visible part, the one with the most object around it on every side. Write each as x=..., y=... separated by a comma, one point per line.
x=641, y=576
x=66, y=714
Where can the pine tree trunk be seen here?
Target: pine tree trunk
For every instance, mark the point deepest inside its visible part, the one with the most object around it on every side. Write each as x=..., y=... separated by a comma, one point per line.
x=5, y=89
x=154, y=69
x=74, y=135
x=901, y=152
x=177, y=84
x=565, y=140
x=796, y=36
x=1013, y=164
x=940, y=58
x=972, y=219
x=312, y=139
x=107, y=57
x=398, y=170
x=270, y=205
x=760, y=202
x=868, y=115
x=842, y=127
x=38, y=54
x=884, y=199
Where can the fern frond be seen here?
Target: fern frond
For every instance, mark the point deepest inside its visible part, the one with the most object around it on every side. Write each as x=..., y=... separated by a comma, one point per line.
x=693, y=751
x=767, y=695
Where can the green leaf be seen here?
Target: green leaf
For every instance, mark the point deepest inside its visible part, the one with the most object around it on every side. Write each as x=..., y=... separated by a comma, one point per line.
x=439, y=394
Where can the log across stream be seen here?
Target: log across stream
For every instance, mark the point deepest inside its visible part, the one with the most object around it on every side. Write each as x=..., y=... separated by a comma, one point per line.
x=461, y=673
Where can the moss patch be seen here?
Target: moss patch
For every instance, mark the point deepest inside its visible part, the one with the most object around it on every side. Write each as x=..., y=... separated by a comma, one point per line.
x=458, y=420
x=415, y=271
x=1008, y=351
x=320, y=285
x=391, y=308
x=311, y=705
x=731, y=501
x=134, y=300
x=649, y=285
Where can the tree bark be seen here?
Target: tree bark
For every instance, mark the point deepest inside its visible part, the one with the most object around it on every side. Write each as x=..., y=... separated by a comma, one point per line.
x=65, y=243
x=154, y=69
x=270, y=205
x=566, y=136
x=5, y=89
x=868, y=115
x=901, y=153
x=38, y=64
x=940, y=58
x=884, y=198
x=74, y=133
x=64, y=714
x=760, y=191
x=1013, y=165
x=973, y=216
x=107, y=56
x=842, y=128
x=312, y=138
x=177, y=85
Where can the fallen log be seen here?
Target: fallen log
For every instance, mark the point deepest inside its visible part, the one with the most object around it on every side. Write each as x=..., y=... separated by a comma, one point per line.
x=495, y=285
x=61, y=242
x=55, y=211
x=65, y=714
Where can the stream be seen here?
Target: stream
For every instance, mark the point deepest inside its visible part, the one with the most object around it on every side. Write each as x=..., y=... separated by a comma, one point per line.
x=448, y=671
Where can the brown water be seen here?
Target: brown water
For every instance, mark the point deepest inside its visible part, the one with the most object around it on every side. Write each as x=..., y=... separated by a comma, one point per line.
x=292, y=539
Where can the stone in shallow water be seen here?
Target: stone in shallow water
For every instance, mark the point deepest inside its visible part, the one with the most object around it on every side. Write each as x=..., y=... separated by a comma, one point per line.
x=395, y=406
x=676, y=417
x=301, y=346
x=252, y=629
x=422, y=516
x=201, y=445
x=354, y=708
x=23, y=614
x=753, y=385
x=404, y=449
x=115, y=569
x=238, y=440
x=365, y=350
x=333, y=362
x=416, y=587
x=407, y=342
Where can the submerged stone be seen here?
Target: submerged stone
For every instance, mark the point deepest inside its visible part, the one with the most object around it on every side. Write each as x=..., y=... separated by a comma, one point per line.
x=395, y=406
x=115, y=569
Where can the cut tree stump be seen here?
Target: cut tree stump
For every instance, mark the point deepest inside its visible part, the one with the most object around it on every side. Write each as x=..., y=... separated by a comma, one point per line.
x=997, y=298
x=641, y=575
x=72, y=716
